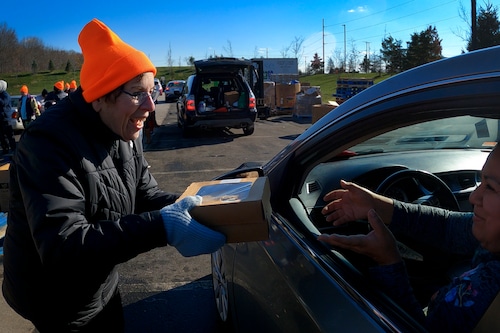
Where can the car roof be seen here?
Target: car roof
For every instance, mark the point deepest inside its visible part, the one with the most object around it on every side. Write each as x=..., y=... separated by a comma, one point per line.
x=218, y=65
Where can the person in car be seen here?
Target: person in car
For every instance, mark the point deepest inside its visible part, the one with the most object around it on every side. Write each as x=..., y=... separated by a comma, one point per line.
x=459, y=306
x=82, y=199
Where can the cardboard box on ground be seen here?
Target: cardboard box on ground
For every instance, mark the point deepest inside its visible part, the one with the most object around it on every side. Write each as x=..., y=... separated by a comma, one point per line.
x=239, y=208
x=4, y=187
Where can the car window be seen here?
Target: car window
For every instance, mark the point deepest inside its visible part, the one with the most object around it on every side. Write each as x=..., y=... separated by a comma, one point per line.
x=457, y=132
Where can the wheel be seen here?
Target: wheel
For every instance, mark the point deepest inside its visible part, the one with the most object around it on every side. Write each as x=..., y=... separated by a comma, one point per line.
x=420, y=187
x=248, y=130
x=220, y=286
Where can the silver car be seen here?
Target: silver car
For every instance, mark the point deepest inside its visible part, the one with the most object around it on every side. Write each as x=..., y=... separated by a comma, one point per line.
x=12, y=116
x=173, y=90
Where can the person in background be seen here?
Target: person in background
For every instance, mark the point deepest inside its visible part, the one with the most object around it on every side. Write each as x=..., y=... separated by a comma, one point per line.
x=82, y=199
x=7, y=140
x=41, y=100
x=458, y=306
x=66, y=87
x=27, y=107
x=55, y=95
x=72, y=86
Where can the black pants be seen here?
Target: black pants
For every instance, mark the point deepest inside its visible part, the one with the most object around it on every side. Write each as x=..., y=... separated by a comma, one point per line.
x=110, y=320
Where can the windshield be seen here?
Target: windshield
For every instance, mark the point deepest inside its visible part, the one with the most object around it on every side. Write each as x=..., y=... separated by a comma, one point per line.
x=457, y=132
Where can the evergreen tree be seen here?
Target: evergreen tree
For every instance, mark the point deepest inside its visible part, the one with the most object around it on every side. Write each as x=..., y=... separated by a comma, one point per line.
x=487, y=28
x=34, y=67
x=392, y=54
x=423, y=48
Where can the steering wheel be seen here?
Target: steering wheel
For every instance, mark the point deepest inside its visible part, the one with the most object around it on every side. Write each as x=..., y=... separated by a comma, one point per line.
x=427, y=267
x=426, y=188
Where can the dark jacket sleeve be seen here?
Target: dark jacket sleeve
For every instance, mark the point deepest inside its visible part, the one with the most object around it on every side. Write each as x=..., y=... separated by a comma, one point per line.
x=443, y=229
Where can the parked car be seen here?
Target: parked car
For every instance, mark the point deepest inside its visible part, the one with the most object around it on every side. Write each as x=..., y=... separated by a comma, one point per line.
x=173, y=90
x=14, y=120
x=218, y=96
x=421, y=136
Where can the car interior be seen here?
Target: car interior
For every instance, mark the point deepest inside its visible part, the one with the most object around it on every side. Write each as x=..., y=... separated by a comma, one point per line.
x=435, y=163
x=219, y=91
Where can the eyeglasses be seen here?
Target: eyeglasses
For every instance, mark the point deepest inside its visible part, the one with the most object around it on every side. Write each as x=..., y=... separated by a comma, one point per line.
x=138, y=97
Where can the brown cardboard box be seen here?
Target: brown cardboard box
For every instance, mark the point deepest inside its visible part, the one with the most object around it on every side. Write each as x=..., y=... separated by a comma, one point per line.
x=270, y=94
x=320, y=110
x=239, y=208
x=285, y=95
x=4, y=187
x=231, y=97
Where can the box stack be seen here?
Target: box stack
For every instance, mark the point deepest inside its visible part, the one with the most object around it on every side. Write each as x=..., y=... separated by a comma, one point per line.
x=285, y=95
x=270, y=94
x=346, y=88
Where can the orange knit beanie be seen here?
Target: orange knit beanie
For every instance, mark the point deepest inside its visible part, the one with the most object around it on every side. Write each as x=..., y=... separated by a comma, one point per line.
x=24, y=89
x=108, y=62
x=59, y=85
x=72, y=85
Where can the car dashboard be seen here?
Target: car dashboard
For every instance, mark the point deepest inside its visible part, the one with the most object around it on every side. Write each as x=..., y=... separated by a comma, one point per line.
x=459, y=169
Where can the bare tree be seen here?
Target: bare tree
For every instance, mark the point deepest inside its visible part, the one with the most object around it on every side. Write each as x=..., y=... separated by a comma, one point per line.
x=284, y=51
x=170, y=61
x=296, y=47
x=228, y=49
x=353, y=57
x=8, y=50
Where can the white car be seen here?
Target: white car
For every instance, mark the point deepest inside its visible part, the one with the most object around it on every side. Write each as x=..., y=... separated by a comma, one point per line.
x=13, y=119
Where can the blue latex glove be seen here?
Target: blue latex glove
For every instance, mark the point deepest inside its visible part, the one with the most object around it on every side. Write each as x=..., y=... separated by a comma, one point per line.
x=189, y=237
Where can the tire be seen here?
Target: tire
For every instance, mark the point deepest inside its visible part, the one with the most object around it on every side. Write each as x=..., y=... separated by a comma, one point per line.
x=248, y=130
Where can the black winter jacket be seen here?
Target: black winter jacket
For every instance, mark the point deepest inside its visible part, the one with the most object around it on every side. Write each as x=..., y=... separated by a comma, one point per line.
x=82, y=201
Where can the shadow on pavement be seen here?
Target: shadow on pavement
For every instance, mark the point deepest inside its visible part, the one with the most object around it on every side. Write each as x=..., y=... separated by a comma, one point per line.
x=173, y=310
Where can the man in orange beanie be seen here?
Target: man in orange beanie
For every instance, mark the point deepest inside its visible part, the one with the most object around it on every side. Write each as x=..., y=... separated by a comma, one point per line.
x=83, y=199
x=55, y=95
x=72, y=86
x=28, y=108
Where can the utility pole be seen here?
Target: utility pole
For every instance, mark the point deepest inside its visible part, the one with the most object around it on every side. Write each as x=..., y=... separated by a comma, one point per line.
x=323, y=46
x=345, y=50
x=473, y=36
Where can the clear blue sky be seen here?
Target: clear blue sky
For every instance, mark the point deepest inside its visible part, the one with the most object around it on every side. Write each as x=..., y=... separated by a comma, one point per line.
x=248, y=28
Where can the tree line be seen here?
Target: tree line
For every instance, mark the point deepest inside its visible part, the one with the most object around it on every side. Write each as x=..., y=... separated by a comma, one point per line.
x=30, y=55
x=423, y=47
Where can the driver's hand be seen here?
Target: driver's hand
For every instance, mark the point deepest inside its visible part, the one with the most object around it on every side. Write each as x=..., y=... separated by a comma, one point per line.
x=379, y=244
x=350, y=203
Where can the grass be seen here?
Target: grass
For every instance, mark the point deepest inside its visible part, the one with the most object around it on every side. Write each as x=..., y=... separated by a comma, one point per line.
x=45, y=80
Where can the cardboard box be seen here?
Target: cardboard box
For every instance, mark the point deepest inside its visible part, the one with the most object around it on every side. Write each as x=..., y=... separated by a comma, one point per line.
x=4, y=187
x=239, y=208
x=231, y=97
x=285, y=95
x=270, y=94
x=320, y=110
